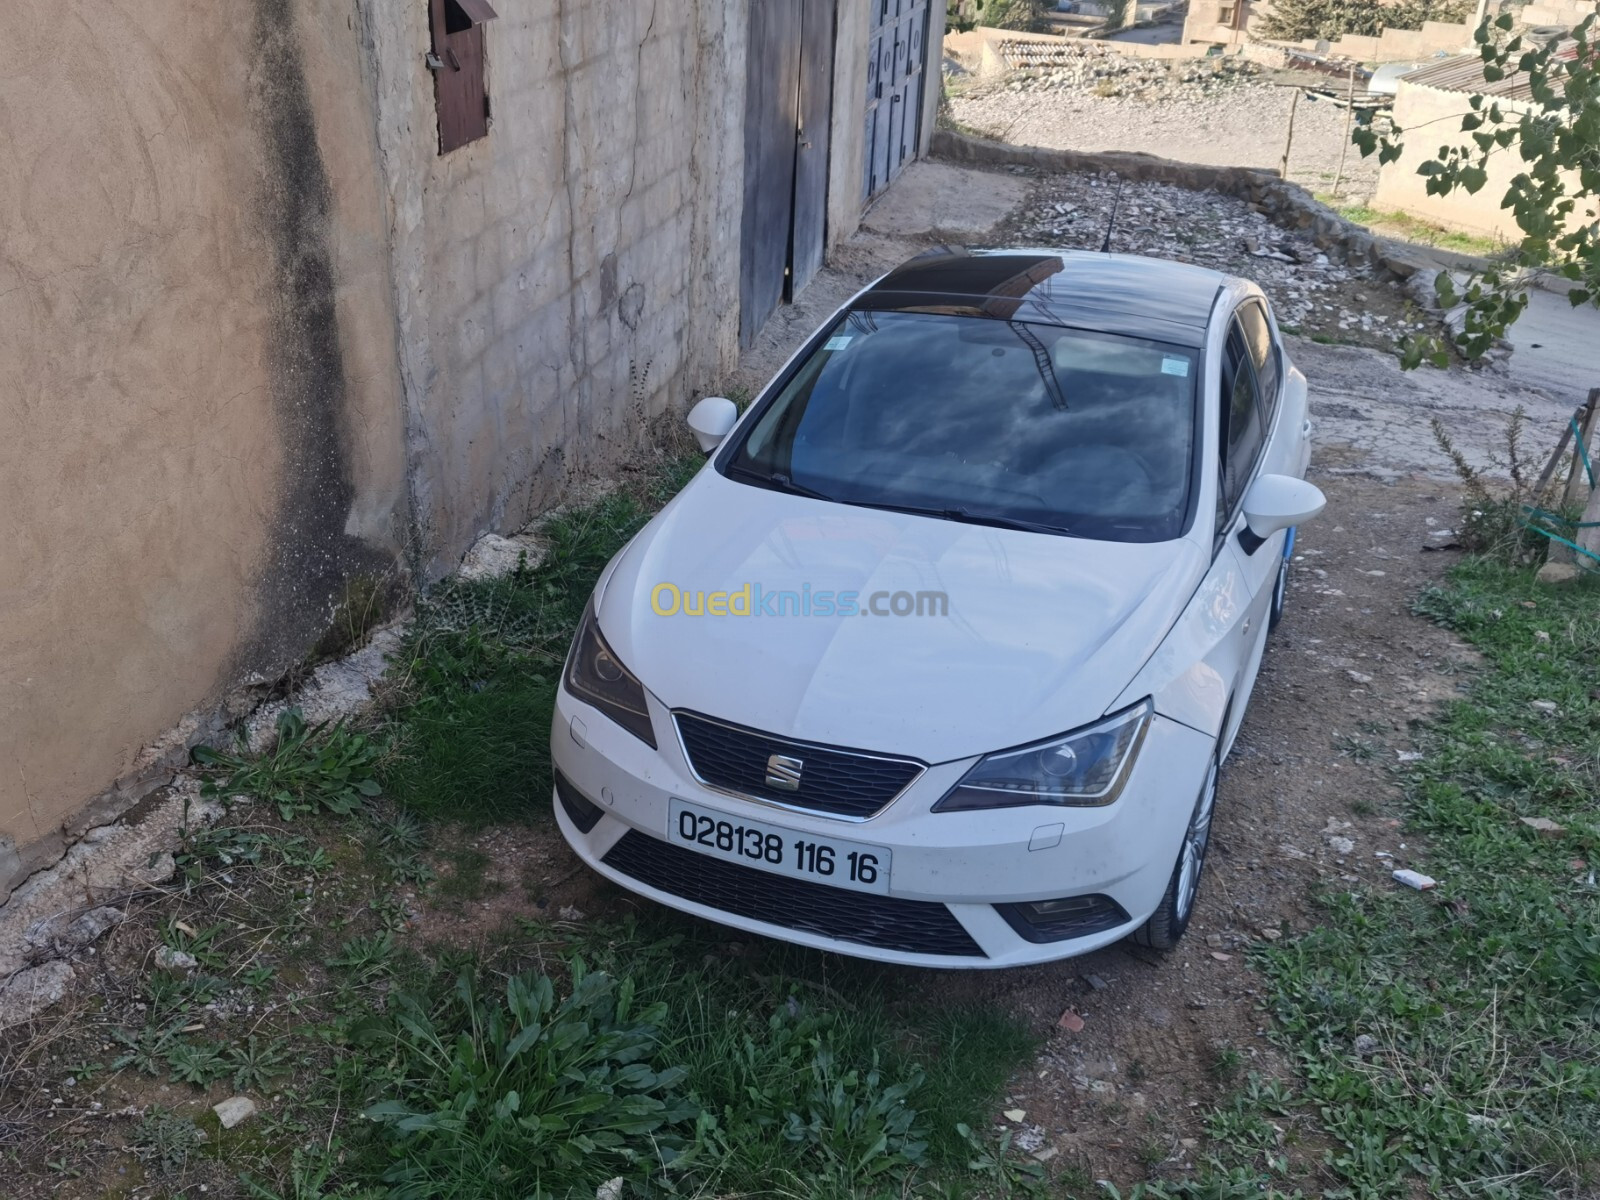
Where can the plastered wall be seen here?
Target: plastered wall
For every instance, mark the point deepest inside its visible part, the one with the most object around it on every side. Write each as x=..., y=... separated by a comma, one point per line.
x=200, y=417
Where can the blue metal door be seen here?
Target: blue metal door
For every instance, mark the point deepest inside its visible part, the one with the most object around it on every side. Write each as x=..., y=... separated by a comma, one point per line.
x=896, y=49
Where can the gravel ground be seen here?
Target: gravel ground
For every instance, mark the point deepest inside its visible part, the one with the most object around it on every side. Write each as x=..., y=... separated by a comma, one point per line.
x=1188, y=111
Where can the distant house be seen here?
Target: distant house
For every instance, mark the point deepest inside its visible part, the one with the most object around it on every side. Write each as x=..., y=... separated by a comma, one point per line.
x=1429, y=104
x=298, y=297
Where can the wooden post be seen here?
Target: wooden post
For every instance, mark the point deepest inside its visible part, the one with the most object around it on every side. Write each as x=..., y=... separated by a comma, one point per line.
x=1289, y=140
x=1349, y=118
x=1578, y=482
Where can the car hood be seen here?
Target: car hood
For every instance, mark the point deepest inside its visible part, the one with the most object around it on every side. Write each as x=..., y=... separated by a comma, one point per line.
x=1043, y=633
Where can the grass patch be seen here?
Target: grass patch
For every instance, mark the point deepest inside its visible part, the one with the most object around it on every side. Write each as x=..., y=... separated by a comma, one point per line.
x=641, y=1054
x=484, y=659
x=1414, y=229
x=541, y=1067
x=1448, y=1042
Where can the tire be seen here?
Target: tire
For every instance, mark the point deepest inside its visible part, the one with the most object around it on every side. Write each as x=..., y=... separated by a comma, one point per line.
x=1280, y=596
x=1167, y=924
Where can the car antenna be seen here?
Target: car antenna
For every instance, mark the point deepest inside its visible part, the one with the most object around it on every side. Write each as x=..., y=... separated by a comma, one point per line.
x=1105, y=246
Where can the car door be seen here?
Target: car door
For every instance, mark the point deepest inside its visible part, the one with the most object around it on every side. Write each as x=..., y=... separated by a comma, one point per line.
x=1244, y=445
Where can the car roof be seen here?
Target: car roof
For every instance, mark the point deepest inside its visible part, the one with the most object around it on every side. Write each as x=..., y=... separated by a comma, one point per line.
x=1124, y=294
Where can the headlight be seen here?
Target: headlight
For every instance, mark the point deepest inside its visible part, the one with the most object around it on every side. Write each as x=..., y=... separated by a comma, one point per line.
x=597, y=675
x=1085, y=768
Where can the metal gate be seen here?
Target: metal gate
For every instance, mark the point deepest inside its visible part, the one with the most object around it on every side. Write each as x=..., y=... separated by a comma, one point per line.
x=894, y=90
x=788, y=100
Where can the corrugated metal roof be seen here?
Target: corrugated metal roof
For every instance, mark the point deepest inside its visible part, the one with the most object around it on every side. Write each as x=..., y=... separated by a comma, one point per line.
x=1464, y=73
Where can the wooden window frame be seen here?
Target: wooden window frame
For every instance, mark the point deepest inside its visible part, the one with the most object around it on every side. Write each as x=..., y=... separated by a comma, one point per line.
x=459, y=62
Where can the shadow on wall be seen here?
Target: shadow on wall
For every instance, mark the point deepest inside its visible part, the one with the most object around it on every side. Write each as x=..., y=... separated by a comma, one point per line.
x=312, y=559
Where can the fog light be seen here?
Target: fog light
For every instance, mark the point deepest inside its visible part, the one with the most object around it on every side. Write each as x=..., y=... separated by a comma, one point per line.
x=1069, y=917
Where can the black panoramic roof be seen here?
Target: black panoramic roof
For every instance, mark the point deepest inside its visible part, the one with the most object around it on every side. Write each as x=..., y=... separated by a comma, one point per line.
x=1108, y=293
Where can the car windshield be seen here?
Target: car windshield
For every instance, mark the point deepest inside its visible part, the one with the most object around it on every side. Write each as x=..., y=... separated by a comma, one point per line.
x=985, y=420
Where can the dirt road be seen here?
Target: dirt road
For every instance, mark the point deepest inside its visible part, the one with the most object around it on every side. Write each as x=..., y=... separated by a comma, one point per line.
x=1309, y=796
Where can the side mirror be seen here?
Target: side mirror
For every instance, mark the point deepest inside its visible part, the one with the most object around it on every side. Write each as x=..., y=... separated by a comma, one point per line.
x=1276, y=502
x=711, y=419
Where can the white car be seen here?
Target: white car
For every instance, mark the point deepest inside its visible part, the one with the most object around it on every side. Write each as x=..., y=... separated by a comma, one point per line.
x=936, y=659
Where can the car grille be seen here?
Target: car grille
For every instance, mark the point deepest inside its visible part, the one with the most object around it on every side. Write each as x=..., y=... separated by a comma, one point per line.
x=838, y=782
x=914, y=926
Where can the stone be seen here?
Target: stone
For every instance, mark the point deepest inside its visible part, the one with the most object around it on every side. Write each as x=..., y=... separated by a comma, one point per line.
x=233, y=1110
x=1366, y=1045
x=1544, y=825
x=611, y=1189
x=62, y=934
x=1554, y=573
x=1014, y=1115
x=30, y=992
x=169, y=959
x=1341, y=845
x=1096, y=983
x=1548, y=707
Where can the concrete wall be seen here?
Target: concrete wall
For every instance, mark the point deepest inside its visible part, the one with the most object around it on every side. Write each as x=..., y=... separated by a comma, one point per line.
x=200, y=428
x=263, y=346
x=559, y=280
x=1435, y=118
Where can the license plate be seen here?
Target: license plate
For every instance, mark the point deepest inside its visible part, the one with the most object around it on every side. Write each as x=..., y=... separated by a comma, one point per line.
x=829, y=860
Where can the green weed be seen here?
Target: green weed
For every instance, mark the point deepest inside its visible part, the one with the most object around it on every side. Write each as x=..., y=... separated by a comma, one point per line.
x=311, y=768
x=1448, y=1042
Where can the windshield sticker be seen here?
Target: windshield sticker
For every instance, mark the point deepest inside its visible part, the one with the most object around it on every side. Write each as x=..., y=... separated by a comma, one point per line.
x=1175, y=366
x=837, y=342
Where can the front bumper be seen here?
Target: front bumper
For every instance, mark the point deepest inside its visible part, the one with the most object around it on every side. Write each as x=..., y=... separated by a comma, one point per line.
x=949, y=871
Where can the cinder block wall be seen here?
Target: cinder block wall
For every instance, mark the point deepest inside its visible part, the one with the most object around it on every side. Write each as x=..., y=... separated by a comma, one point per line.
x=558, y=282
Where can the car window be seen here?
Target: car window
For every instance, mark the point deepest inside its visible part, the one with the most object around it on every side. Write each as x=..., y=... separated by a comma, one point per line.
x=1242, y=433
x=988, y=420
x=1257, y=332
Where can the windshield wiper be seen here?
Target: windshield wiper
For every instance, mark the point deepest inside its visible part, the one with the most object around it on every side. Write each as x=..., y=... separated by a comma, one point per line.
x=777, y=481
x=967, y=517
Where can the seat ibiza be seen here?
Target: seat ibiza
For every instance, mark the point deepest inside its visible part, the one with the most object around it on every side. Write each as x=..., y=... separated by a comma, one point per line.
x=936, y=660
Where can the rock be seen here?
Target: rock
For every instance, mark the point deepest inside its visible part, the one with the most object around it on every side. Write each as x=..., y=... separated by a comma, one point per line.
x=492, y=556
x=1359, y=677
x=611, y=1189
x=1557, y=573
x=567, y=913
x=1014, y=1115
x=62, y=934
x=1096, y=983
x=1214, y=939
x=234, y=1110
x=1341, y=845
x=30, y=992
x=1544, y=825
x=1366, y=1045
x=1046, y=1154
x=1415, y=879
x=1030, y=1140
x=1070, y=1021
x=169, y=959
x=1544, y=706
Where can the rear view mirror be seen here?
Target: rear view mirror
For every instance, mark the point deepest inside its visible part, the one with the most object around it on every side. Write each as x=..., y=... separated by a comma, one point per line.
x=711, y=419
x=1277, y=502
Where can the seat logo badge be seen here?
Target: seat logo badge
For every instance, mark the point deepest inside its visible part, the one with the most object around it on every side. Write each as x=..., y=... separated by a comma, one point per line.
x=783, y=772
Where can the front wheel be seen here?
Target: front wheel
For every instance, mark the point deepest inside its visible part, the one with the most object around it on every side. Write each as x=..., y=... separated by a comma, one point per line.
x=1166, y=925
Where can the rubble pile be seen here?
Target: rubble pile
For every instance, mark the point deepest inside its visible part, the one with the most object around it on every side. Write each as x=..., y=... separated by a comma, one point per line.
x=1146, y=80
x=1311, y=294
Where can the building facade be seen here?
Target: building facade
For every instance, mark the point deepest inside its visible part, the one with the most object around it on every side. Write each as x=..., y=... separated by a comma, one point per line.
x=299, y=297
